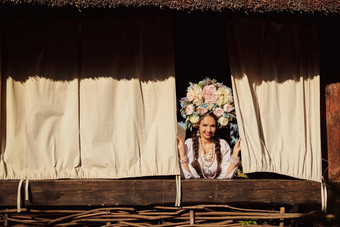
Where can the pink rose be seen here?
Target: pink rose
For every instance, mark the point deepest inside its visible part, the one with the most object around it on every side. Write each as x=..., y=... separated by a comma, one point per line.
x=209, y=94
x=211, y=98
x=202, y=110
x=210, y=88
x=190, y=109
x=218, y=112
x=227, y=108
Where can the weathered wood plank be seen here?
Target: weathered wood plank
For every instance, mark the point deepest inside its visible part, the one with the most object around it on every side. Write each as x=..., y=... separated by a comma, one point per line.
x=132, y=192
x=252, y=191
x=333, y=131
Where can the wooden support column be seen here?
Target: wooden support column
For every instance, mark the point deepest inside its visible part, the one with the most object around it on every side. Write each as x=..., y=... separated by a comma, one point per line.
x=282, y=220
x=333, y=130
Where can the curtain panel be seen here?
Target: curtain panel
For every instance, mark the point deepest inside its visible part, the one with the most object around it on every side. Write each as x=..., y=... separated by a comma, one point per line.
x=88, y=99
x=276, y=85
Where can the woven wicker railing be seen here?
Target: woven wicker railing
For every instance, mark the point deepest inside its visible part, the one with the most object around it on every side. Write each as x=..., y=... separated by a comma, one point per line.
x=199, y=215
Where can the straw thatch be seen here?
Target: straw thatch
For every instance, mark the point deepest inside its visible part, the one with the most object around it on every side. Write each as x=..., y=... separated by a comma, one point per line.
x=293, y=6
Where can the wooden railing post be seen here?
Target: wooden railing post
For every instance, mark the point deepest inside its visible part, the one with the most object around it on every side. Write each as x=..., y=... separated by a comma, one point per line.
x=192, y=217
x=333, y=130
x=282, y=220
x=6, y=220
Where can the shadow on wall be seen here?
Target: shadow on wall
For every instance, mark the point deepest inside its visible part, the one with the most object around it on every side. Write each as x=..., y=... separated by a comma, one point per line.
x=87, y=47
x=268, y=50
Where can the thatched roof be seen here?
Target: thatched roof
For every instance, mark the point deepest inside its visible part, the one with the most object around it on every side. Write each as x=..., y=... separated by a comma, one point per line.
x=293, y=6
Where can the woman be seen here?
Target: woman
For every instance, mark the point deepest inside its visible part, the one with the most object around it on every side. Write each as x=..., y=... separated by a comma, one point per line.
x=206, y=156
x=208, y=106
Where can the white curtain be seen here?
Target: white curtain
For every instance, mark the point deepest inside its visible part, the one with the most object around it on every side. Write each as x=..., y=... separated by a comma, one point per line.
x=275, y=77
x=88, y=99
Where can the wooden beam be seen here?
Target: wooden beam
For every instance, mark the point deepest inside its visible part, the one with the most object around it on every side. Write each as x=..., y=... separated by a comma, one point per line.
x=135, y=192
x=333, y=130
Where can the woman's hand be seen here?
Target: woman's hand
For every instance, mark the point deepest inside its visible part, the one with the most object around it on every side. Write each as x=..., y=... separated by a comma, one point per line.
x=237, y=148
x=235, y=156
x=182, y=155
x=180, y=147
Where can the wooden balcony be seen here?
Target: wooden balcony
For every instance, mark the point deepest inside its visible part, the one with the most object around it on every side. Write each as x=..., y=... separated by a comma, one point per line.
x=141, y=192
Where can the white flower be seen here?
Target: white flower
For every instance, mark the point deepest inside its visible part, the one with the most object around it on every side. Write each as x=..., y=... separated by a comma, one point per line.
x=194, y=119
x=229, y=99
x=198, y=102
x=220, y=100
x=223, y=121
x=225, y=96
x=210, y=106
x=195, y=92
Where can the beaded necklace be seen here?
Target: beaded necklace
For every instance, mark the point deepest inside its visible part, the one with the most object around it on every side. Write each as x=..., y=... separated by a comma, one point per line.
x=207, y=159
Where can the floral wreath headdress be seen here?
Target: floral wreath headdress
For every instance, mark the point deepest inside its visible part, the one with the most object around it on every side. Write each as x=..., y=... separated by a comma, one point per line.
x=207, y=96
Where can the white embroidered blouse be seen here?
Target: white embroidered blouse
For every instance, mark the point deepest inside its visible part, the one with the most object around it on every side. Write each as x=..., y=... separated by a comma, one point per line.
x=209, y=172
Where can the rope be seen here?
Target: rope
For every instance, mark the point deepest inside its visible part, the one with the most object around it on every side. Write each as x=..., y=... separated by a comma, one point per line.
x=178, y=191
x=19, y=193
x=323, y=195
x=19, y=196
x=26, y=190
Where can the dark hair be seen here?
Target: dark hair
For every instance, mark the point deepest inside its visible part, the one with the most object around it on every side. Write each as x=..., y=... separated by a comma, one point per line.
x=195, y=164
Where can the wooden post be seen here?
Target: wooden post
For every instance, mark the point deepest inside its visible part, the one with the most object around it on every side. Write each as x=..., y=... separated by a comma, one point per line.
x=333, y=132
x=282, y=220
x=192, y=217
x=6, y=220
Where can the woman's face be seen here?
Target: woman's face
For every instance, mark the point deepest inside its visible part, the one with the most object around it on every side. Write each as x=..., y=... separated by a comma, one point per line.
x=207, y=127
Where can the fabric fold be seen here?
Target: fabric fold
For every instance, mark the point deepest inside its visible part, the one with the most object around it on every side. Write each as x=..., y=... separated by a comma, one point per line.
x=92, y=98
x=276, y=85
